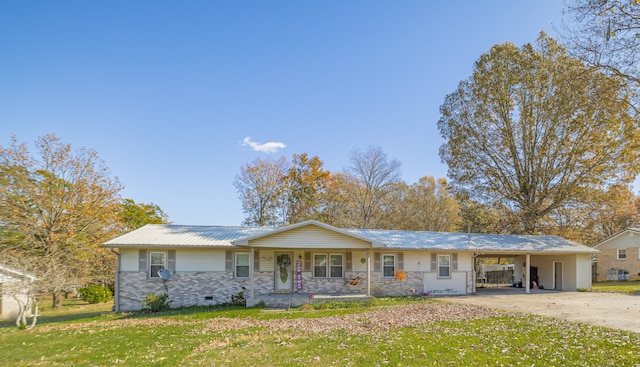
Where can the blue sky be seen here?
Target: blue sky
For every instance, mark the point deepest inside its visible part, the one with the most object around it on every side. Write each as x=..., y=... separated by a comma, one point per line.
x=167, y=92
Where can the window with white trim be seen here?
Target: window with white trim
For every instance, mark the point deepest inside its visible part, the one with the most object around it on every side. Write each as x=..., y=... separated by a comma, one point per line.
x=622, y=254
x=328, y=265
x=242, y=265
x=157, y=261
x=444, y=266
x=388, y=266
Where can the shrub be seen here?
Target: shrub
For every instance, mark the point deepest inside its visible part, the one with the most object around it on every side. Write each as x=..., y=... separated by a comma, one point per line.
x=156, y=302
x=95, y=294
x=238, y=299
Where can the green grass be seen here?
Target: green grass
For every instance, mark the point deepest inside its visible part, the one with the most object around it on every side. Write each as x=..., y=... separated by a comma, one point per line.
x=186, y=337
x=631, y=287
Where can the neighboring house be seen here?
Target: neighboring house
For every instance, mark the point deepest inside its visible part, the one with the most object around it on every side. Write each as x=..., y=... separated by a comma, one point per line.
x=619, y=257
x=13, y=283
x=300, y=262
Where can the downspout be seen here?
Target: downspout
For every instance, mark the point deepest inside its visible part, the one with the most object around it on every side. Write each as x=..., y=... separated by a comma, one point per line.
x=116, y=287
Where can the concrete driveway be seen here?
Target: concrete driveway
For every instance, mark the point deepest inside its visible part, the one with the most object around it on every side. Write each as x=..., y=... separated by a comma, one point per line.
x=619, y=311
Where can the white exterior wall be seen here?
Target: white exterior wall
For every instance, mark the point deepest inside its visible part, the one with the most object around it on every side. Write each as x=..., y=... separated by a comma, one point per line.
x=356, y=263
x=457, y=284
x=266, y=260
x=417, y=261
x=129, y=259
x=200, y=260
x=576, y=270
x=310, y=237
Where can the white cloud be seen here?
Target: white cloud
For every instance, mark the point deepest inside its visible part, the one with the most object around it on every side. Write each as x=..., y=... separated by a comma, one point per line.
x=268, y=147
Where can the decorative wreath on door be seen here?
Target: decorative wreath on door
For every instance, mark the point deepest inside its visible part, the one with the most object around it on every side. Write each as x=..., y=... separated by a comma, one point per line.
x=284, y=262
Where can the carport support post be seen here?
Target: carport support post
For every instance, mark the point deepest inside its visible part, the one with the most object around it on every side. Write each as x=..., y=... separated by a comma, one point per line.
x=527, y=275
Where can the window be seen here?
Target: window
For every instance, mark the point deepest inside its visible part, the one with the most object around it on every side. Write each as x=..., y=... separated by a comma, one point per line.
x=444, y=266
x=320, y=265
x=622, y=254
x=242, y=265
x=336, y=265
x=388, y=266
x=328, y=265
x=157, y=261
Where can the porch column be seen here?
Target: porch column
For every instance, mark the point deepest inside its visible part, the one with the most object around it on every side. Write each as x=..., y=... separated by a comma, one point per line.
x=251, y=266
x=368, y=272
x=527, y=275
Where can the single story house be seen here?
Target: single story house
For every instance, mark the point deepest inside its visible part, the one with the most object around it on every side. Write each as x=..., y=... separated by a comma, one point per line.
x=304, y=261
x=619, y=257
x=13, y=284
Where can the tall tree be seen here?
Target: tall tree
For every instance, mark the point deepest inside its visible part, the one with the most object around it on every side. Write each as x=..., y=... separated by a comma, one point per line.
x=427, y=205
x=260, y=186
x=605, y=34
x=534, y=128
x=305, y=184
x=134, y=215
x=372, y=174
x=60, y=205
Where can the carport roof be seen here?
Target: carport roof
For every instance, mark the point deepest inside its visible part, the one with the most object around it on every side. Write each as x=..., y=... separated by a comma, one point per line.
x=176, y=236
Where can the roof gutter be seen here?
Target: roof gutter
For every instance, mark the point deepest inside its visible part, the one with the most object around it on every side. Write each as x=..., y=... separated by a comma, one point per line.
x=116, y=287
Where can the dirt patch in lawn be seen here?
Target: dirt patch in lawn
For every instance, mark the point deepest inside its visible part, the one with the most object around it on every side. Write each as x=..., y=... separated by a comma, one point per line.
x=619, y=311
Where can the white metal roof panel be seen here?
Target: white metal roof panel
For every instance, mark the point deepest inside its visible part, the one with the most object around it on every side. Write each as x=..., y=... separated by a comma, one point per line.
x=472, y=241
x=164, y=235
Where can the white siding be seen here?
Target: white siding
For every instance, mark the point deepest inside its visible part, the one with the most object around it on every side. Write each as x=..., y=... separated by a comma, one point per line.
x=266, y=260
x=628, y=240
x=356, y=262
x=311, y=237
x=583, y=271
x=200, y=260
x=129, y=260
x=417, y=261
x=465, y=261
x=457, y=284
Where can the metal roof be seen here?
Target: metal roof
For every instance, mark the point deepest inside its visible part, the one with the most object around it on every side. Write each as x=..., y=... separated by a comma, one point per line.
x=6, y=273
x=472, y=241
x=164, y=235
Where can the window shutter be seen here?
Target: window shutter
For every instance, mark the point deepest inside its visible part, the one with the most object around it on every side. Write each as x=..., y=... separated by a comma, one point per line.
x=228, y=263
x=171, y=260
x=256, y=260
x=400, y=261
x=454, y=262
x=434, y=263
x=376, y=261
x=307, y=261
x=142, y=260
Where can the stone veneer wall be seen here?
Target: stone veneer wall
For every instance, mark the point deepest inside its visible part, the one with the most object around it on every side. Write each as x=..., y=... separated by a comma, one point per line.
x=185, y=288
x=607, y=260
x=191, y=288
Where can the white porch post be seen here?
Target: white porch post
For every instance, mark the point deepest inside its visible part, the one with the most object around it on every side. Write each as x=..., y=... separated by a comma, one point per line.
x=527, y=275
x=368, y=272
x=251, y=281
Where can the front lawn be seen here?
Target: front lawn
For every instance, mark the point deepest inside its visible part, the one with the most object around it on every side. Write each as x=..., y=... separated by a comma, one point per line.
x=423, y=333
x=631, y=287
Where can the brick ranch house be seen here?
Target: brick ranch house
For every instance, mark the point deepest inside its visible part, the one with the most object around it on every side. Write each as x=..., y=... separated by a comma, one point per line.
x=310, y=260
x=619, y=257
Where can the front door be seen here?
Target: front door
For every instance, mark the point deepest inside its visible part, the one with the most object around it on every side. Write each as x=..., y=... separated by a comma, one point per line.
x=557, y=275
x=284, y=272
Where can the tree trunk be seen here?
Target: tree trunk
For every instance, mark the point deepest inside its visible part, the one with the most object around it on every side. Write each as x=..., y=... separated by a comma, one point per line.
x=57, y=300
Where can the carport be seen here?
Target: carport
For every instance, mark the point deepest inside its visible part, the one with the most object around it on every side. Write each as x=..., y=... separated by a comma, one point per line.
x=552, y=262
